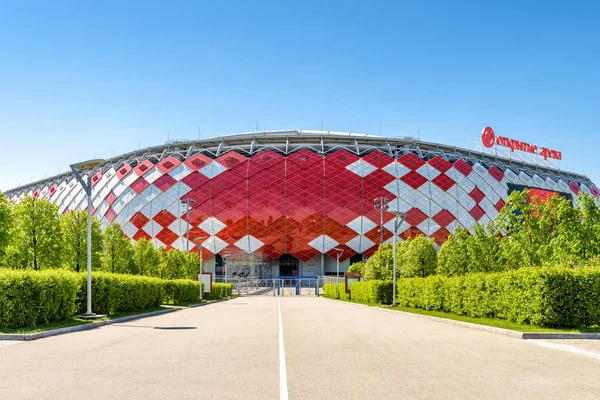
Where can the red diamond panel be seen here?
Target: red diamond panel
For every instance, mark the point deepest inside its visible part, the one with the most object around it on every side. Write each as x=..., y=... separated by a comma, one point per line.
x=341, y=158
x=197, y=161
x=440, y=164
x=267, y=159
x=444, y=218
x=139, y=185
x=55, y=186
x=443, y=181
x=96, y=178
x=195, y=179
x=36, y=193
x=141, y=234
x=477, y=194
x=165, y=182
x=379, y=178
x=375, y=235
x=167, y=165
x=500, y=205
x=414, y=179
x=348, y=252
x=477, y=212
x=378, y=159
x=164, y=218
x=440, y=236
x=110, y=198
x=496, y=173
x=139, y=220
x=574, y=187
x=110, y=215
x=594, y=190
x=411, y=161
x=167, y=236
x=124, y=171
x=231, y=159
x=414, y=217
x=143, y=167
x=411, y=233
x=462, y=167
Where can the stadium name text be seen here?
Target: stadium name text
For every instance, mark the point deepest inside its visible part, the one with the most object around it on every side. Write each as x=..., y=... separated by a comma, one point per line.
x=489, y=139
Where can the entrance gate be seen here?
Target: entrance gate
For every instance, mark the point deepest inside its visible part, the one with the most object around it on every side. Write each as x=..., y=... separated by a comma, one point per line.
x=281, y=286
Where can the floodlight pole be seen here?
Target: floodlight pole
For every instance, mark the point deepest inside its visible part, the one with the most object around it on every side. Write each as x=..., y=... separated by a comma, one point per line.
x=397, y=223
x=381, y=204
x=337, y=277
x=87, y=187
x=189, y=203
x=199, y=244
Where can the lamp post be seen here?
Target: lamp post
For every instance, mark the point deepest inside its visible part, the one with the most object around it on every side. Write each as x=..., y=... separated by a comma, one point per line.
x=381, y=204
x=190, y=203
x=198, y=242
x=397, y=223
x=87, y=187
x=337, y=277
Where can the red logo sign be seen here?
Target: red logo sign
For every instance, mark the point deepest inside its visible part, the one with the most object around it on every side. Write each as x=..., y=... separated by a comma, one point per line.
x=489, y=138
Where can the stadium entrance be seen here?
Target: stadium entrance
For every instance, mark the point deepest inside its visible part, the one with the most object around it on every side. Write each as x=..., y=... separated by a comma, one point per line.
x=288, y=265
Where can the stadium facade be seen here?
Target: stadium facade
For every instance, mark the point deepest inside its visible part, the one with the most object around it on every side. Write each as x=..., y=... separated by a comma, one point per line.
x=287, y=202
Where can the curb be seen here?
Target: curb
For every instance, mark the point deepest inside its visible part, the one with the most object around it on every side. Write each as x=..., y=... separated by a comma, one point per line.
x=93, y=325
x=490, y=329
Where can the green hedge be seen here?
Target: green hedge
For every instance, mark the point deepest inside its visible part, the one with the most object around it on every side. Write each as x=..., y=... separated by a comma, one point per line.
x=115, y=293
x=374, y=291
x=329, y=291
x=30, y=298
x=219, y=291
x=180, y=291
x=554, y=296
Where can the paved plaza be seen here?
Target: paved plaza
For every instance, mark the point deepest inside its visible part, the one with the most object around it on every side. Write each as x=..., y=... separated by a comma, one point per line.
x=263, y=347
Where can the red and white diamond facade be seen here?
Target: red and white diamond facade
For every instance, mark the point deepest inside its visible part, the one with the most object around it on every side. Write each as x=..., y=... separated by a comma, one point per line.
x=300, y=193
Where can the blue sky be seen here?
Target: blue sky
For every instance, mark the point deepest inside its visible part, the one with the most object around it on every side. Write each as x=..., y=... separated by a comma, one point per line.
x=79, y=81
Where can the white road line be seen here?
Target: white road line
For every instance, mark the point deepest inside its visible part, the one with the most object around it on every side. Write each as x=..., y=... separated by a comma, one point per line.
x=566, y=347
x=283, y=388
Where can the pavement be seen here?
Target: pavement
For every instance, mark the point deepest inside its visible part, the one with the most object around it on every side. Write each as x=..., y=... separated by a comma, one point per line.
x=327, y=350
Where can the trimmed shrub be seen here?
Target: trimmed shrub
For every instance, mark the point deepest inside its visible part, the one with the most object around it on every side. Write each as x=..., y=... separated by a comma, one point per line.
x=554, y=296
x=219, y=291
x=30, y=298
x=115, y=293
x=375, y=291
x=330, y=292
x=180, y=291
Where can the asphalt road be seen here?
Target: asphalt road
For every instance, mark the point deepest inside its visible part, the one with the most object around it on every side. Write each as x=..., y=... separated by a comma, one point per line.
x=333, y=350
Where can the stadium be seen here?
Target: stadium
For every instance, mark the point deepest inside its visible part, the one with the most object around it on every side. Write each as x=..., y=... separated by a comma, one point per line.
x=290, y=202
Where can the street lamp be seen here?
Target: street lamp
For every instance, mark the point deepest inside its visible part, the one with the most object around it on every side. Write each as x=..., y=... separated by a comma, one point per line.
x=198, y=242
x=190, y=203
x=397, y=223
x=381, y=204
x=337, y=277
x=87, y=187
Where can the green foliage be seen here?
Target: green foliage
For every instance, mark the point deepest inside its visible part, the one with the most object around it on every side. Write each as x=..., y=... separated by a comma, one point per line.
x=358, y=267
x=37, y=235
x=117, y=251
x=376, y=291
x=419, y=258
x=6, y=224
x=146, y=259
x=329, y=290
x=180, y=291
x=219, y=291
x=380, y=265
x=31, y=298
x=179, y=264
x=549, y=296
x=114, y=293
x=453, y=257
x=74, y=227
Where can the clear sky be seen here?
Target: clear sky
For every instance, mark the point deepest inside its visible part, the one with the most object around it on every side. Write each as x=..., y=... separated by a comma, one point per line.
x=91, y=79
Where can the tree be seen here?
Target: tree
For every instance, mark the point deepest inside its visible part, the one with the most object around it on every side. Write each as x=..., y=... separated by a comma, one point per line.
x=482, y=250
x=74, y=227
x=37, y=235
x=6, y=224
x=453, y=257
x=146, y=259
x=381, y=264
x=420, y=258
x=590, y=226
x=117, y=254
x=358, y=267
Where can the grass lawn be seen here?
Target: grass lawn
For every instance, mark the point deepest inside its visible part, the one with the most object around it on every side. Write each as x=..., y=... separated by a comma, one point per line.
x=72, y=322
x=497, y=323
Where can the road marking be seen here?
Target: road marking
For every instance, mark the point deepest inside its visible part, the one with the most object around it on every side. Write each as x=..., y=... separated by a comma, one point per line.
x=283, y=389
x=566, y=347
